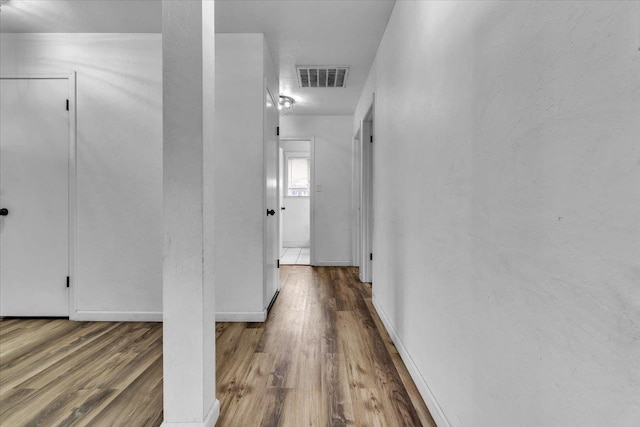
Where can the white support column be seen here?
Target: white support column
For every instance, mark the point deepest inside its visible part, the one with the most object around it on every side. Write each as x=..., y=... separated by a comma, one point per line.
x=188, y=288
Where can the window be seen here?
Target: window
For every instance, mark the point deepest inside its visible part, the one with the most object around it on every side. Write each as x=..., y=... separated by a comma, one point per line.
x=298, y=175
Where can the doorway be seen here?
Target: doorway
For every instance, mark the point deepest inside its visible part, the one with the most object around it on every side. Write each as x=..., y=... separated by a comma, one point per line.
x=37, y=178
x=296, y=195
x=366, y=217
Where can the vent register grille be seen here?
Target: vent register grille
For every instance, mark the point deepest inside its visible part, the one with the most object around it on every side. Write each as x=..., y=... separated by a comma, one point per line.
x=322, y=76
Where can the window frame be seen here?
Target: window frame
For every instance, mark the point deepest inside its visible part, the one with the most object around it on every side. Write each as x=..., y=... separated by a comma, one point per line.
x=295, y=155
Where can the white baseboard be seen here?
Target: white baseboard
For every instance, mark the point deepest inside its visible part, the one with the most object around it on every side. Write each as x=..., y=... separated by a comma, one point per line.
x=333, y=263
x=429, y=399
x=116, y=316
x=152, y=316
x=209, y=421
x=243, y=316
x=295, y=244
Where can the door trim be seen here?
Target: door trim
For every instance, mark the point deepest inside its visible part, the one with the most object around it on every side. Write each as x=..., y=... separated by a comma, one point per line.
x=312, y=193
x=355, y=196
x=367, y=218
x=72, y=172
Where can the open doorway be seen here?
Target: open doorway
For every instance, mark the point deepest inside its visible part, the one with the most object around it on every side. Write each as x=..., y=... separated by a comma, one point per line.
x=365, y=189
x=296, y=201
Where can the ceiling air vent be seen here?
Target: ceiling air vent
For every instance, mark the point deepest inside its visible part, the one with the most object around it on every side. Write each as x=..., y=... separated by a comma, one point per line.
x=322, y=76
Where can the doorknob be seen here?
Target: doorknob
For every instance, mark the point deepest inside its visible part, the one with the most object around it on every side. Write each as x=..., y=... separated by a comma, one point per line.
x=282, y=208
x=270, y=212
x=4, y=212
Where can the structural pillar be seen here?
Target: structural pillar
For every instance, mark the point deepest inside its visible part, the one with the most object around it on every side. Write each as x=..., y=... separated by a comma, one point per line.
x=188, y=288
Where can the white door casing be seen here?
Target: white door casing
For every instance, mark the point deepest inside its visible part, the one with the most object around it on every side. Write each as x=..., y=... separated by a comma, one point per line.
x=312, y=193
x=355, y=197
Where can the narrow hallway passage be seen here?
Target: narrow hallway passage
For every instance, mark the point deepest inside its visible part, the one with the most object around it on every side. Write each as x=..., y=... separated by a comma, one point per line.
x=322, y=358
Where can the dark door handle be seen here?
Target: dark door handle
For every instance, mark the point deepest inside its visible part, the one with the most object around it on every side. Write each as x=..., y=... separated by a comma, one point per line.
x=270, y=212
x=282, y=208
x=4, y=212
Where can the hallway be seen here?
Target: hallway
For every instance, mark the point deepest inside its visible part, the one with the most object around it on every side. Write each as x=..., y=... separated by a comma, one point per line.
x=322, y=358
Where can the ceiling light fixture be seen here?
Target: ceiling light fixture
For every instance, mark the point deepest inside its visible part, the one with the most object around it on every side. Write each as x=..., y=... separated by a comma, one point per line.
x=285, y=104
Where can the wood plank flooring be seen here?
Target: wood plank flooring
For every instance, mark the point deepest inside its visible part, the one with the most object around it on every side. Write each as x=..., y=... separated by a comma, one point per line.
x=322, y=359
x=62, y=373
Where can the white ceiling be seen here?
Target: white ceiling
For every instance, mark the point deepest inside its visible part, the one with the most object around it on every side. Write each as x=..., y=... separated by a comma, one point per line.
x=81, y=16
x=313, y=32
x=298, y=32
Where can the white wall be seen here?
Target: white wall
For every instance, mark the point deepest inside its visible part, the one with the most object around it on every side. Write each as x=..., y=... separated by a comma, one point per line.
x=296, y=222
x=297, y=215
x=507, y=201
x=119, y=163
x=239, y=174
x=296, y=146
x=332, y=164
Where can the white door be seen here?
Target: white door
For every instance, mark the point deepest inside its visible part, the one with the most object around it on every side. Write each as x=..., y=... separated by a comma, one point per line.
x=281, y=168
x=34, y=189
x=272, y=217
x=366, y=203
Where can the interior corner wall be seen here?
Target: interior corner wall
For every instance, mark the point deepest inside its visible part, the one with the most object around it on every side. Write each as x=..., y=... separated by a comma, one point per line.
x=507, y=206
x=239, y=176
x=119, y=163
x=332, y=168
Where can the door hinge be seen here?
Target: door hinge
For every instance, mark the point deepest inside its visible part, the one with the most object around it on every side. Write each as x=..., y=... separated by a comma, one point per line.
x=278, y=131
x=67, y=105
x=67, y=281
x=370, y=257
x=371, y=139
x=278, y=263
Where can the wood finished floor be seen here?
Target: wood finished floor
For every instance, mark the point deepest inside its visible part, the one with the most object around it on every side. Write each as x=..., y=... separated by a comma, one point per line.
x=322, y=359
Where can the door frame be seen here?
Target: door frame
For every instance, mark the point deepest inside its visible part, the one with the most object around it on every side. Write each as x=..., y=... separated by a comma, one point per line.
x=72, y=172
x=355, y=196
x=367, y=154
x=269, y=300
x=280, y=198
x=312, y=196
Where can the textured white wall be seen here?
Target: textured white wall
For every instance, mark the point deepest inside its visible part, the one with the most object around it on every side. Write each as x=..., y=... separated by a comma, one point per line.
x=507, y=205
x=189, y=358
x=332, y=162
x=239, y=173
x=119, y=163
x=242, y=63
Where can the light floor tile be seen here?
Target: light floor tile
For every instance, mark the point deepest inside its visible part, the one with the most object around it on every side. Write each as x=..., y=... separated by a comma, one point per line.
x=290, y=256
x=304, y=260
x=296, y=256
